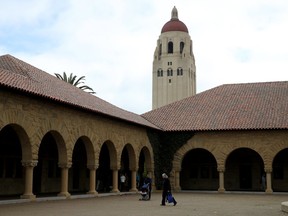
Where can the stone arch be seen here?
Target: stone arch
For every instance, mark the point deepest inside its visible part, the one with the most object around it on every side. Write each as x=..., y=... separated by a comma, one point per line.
x=62, y=137
x=145, y=166
x=199, y=170
x=90, y=150
x=280, y=171
x=270, y=153
x=234, y=148
x=148, y=158
x=51, y=154
x=89, y=138
x=179, y=155
x=16, y=152
x=61, y=146
x=83, y=159
x=24, y=141
x=107, y=165
x=127, y=167
x=243, y=169
x=114, y=163
x=132, y=156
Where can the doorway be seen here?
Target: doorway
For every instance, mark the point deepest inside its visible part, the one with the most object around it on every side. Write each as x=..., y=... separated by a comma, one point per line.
x=245, y=176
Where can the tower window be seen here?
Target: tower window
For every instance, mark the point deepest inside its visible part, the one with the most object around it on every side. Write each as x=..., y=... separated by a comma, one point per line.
x=179, y=72
x=170, y=47
x=169, y=63
x=181, y=47
x=160, y=73
x=169, y=72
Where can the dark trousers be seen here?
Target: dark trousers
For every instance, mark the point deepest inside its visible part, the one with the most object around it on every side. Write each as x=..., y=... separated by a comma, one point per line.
x=164, y=197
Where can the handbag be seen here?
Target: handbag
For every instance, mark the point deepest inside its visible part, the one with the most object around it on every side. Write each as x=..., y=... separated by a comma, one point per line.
x=170, y=198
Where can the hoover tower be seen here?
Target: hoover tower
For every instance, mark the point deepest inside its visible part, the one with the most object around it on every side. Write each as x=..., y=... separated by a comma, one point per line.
x=174, y=71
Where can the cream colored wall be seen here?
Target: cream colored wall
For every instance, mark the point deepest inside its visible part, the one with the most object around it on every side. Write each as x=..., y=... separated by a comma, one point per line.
x=180, y=86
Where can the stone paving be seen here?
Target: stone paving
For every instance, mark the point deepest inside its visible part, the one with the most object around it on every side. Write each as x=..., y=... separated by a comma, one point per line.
x=189, y=203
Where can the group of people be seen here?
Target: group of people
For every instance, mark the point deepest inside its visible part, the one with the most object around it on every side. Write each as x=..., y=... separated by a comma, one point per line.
x=166, y=189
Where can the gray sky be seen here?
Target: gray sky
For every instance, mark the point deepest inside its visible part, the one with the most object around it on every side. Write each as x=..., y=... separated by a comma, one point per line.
x=112, y=42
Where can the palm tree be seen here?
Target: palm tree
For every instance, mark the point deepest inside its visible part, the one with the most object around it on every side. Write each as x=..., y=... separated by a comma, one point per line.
x=72, y=79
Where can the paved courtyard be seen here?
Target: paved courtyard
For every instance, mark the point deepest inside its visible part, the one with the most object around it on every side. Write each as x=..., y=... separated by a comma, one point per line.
x=189, y=203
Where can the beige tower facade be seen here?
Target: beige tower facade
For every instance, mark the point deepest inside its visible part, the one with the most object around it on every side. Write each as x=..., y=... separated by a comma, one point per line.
x=174, y=71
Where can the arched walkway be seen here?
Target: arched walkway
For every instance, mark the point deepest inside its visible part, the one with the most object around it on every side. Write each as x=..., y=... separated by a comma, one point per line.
x=12, y=150
x=47, y=174
x=145, y=168
x=199, y=171
x=243, y=170
x=280, y=171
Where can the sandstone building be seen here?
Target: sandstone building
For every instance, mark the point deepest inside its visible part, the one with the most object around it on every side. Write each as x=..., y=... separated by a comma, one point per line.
x=58, y=139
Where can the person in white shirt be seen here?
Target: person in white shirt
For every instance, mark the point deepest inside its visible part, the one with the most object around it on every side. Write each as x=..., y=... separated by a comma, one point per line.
x=122, y=182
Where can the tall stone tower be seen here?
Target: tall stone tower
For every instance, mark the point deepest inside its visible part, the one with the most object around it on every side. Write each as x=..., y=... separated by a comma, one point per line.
x=174, y=71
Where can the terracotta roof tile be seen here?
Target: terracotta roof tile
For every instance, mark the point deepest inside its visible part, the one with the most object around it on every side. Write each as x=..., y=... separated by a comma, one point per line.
x=16, y=74
x=227, y=107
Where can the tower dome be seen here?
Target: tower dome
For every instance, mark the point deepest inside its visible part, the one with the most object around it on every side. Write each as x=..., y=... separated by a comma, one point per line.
x=174, y=24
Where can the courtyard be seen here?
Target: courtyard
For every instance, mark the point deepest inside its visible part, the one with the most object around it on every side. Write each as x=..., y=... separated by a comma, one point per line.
x=189, y=203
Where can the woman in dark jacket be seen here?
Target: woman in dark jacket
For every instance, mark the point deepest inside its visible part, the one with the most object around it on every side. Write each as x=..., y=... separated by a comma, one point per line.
x=166, y=189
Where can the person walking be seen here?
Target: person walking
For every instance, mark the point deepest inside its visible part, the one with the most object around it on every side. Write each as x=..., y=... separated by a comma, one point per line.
x=122, y=182
x=166, y=188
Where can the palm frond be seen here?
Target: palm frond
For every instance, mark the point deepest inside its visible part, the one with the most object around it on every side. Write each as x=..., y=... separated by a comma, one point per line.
x=72, y=79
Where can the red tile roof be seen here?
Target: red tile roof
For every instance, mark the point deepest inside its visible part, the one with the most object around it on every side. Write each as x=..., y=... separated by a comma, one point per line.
x=174, y=25
x=18, y=75
x=227, y=107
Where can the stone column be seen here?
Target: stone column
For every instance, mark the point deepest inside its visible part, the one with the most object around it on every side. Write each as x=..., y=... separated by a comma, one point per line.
x=92, y=178
x=115, y=181
x=221, y=171
x=64, y=179
x=177, y=181
x=150, y=175
x=268, y=181
x=133, y=181
x=28, y=190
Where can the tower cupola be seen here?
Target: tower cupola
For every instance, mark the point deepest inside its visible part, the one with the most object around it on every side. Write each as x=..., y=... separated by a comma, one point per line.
x=174, y=24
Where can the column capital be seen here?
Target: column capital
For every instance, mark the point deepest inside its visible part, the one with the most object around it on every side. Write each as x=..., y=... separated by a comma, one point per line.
x=114, y=168
x=177, y=169
x=29, y=163
x=65, y=165
x=221, y=169
x=92, y=166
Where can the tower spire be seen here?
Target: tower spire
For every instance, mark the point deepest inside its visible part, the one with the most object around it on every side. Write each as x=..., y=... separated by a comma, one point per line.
x=174, y=14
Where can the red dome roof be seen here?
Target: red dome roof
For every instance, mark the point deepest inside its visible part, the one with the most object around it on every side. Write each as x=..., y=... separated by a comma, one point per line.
x=174, y=25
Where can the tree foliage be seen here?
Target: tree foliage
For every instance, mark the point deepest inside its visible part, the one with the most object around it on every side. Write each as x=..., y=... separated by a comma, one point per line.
x=165, y=145
x=73, y=80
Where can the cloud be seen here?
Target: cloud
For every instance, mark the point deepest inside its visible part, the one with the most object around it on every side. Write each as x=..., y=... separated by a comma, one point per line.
x=112, y=42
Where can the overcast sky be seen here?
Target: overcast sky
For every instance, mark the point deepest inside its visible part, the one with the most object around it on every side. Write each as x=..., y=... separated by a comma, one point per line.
x=112, y=42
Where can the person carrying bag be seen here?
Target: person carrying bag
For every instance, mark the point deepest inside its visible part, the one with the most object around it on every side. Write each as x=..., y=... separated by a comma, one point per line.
x=166, y=193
